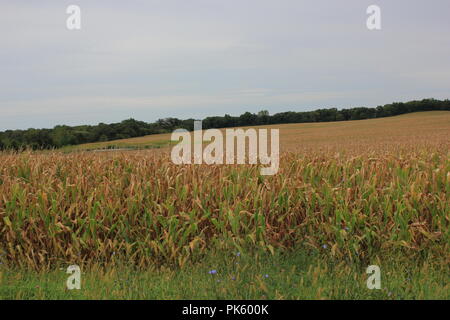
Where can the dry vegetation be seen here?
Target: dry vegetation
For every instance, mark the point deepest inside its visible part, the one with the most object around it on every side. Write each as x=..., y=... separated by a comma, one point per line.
x=354, y=189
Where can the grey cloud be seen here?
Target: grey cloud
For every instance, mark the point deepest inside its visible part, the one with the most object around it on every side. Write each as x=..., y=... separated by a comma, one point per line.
x=149, y=59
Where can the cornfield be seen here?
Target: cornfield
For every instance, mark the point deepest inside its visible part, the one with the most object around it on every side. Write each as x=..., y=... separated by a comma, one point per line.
x=138, y=207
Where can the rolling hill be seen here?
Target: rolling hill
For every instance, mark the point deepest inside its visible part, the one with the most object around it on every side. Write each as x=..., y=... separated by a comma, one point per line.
x=419, y=127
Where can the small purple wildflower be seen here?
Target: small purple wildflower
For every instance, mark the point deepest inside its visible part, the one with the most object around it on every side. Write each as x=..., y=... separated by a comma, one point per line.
x=324, y=246
x=266, y=276
x=214, y=271
x=233, y=278
x=238, y=254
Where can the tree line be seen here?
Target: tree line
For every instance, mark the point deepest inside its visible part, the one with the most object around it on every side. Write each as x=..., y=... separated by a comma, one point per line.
x=62, y=135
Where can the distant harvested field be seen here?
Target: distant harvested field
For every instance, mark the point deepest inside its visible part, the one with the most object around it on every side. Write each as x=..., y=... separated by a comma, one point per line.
x=354, y=189
x=422, y=128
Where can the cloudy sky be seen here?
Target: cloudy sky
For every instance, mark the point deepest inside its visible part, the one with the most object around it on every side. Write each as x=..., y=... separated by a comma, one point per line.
x=154, y=59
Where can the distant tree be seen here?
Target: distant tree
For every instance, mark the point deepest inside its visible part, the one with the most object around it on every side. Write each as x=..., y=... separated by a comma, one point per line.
x=64, y=135
x=263, y=117
x=247, y=119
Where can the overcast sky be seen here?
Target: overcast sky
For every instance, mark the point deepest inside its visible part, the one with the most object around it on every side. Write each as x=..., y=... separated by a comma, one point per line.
x=155, y=59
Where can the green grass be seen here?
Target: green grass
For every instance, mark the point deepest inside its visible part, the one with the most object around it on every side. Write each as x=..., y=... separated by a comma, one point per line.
x=290, y=276
x=117, y=144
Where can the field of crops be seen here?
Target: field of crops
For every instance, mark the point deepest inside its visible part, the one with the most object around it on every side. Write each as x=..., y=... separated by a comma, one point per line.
x=348, y=196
